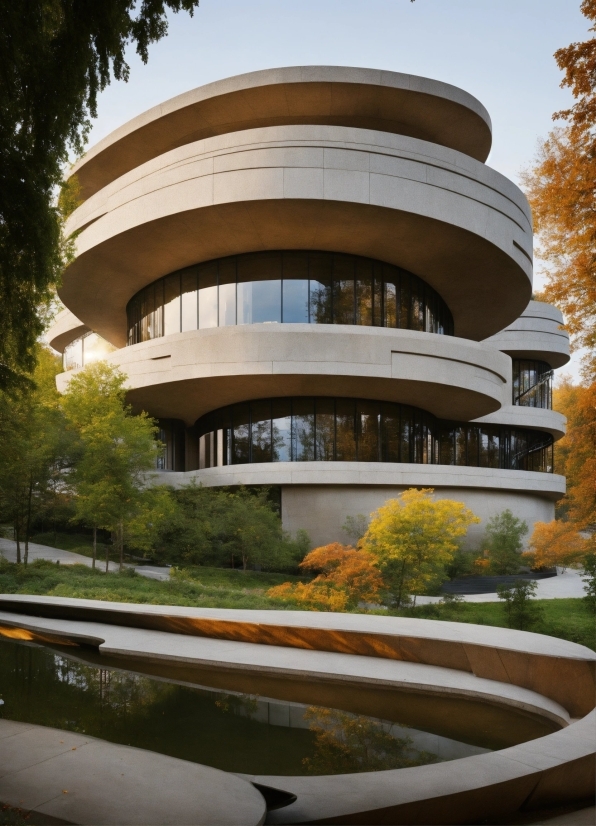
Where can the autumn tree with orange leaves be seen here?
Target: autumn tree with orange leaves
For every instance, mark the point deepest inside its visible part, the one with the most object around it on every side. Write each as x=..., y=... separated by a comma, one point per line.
x=561, y=188
x=346, y=577
x=575, y=454
x=555, y=544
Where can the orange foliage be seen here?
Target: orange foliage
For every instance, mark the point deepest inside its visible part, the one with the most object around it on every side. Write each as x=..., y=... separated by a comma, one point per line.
x=555, y=543
x=346, y=577
x=575, y=454
x=560, y=188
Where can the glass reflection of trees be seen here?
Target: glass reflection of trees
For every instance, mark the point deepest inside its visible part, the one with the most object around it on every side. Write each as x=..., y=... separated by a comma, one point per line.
x=347, y=743
x=290, y=287
x=359, y=430
x=85, y=350
x=532, y=384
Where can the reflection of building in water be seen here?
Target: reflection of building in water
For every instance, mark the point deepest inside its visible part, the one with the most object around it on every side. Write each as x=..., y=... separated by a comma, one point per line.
x=322, y=288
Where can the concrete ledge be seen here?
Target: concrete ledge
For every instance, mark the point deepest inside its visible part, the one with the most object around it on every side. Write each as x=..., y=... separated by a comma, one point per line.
x=549, y=771
x=546, y=772
x=534, y=418
x=79, y=779
x=458, y=225
x=391, y=101
x=537, y=334
x=563, y=671
x=378, y=474
x=186, y=375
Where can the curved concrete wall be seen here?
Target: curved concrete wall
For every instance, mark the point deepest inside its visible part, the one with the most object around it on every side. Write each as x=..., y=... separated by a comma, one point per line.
x=460, y=226
x=334, y=660
x=186, y=375
x=537, y=334
x=319, y=496
x=340, y=95
x=66, y=328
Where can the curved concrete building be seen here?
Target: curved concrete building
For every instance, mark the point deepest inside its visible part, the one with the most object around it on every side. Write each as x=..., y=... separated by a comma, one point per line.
x=314, y=282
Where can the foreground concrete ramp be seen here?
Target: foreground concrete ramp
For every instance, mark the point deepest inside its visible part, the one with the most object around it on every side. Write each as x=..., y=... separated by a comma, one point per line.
x=80, y=779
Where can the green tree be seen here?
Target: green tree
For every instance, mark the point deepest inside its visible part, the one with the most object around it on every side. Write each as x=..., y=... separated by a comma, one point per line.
x=34, y=449
x=214, y=526
x=589, y=577
x=521, y=611
x=114, y=452
x=503, y=542
x=56, y=56
x=413, y=538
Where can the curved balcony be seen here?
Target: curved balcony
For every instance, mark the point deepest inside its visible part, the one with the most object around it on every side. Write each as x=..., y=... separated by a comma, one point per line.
x=332, y=95
x=548, y=486
x=186, y=375
x=536, y=335
x=458, y=225
x=530, y=418
x=65, y=329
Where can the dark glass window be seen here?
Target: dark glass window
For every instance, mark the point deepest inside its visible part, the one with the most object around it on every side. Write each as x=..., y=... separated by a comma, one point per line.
x=292, y=287
x=345, y=445
x=189, y=299
x=327, y=429
x=295, y=288
x=367, y=429
x=208, y=295
x=171, y=307
x=171, y=433
x=303, y=430
x=281, y=430
x=260, y=421
x=532, y=383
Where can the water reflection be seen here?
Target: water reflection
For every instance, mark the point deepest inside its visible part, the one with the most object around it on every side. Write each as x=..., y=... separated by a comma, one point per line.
x=230, y=730
x=347, y=743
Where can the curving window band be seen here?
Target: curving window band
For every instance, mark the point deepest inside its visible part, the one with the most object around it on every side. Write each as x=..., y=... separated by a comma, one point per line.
x=359, y=430
x=296, y=287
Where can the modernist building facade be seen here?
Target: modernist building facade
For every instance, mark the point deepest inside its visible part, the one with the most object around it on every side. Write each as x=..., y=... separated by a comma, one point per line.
x=314, y=282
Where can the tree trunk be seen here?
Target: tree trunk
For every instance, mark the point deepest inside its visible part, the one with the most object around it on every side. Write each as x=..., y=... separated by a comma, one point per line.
x=107, y=558
x=244, y=561
x=28, y=523
x=121, y=543
x=17, y=534
x=94, y=546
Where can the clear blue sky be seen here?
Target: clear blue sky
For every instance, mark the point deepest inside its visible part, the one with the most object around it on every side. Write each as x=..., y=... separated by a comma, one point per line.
x=501, y=51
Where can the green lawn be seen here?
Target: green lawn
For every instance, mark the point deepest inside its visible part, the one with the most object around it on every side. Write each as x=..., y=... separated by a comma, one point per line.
x=207, y=587
x=569, y=619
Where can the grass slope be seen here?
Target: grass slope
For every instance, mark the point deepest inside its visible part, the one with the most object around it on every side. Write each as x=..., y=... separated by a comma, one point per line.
x=569, y=619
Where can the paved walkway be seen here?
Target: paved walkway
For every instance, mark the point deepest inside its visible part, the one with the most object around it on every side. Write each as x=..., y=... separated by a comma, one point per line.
x=8, y=549
x=568, y=584
x=80, y=779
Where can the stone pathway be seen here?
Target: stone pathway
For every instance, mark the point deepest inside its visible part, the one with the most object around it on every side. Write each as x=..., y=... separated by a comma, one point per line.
x=563, y=586
x=8, y=549
x=79, y=779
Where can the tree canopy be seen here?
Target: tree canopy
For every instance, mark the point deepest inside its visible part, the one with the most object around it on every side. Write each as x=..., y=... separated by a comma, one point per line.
x=116, y=450
x=503, y=542
x=55, y=57
x=412, y=539
x=345, y=577
x=556, y=543
x=35, y=448
x=575, y=453
x=560, y=188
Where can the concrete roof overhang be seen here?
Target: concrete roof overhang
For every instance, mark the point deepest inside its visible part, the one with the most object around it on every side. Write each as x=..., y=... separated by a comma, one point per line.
x=66, y=328
x=483, y=286
x=392, y=102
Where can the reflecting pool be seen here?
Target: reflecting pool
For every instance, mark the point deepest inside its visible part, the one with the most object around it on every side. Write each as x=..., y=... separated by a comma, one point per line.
x=218, y=725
